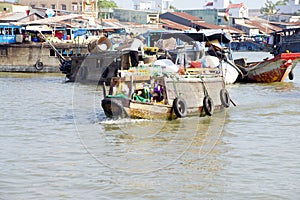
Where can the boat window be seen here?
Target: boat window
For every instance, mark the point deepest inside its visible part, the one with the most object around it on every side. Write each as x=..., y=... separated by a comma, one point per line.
x=52, y=52
x=17, y=31
x=3, y=52
x=63, y=7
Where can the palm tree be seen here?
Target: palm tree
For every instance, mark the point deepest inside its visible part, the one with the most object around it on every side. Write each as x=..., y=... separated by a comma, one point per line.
x=270, y=8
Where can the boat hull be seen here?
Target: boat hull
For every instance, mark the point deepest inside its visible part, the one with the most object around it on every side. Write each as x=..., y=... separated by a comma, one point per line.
x=230, y=72
x=272, y=70
x=192, y=91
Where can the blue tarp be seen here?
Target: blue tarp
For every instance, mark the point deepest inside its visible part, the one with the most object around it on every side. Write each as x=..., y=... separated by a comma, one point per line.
x=79, y=32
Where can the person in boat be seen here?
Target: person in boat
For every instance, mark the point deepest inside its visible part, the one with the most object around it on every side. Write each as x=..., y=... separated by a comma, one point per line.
x=136, y=44
x=142, y=93
x=158, y=90
x=215, y=49
x=120, y=89
x=199, y=49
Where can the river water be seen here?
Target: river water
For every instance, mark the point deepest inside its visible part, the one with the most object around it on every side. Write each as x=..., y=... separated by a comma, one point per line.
x=56, y=143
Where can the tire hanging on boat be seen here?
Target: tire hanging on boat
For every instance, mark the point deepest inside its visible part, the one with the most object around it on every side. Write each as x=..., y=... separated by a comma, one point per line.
x=179, y=106
x=225, y=98
x=39, y=65
x=291, y=75
x=208, y=105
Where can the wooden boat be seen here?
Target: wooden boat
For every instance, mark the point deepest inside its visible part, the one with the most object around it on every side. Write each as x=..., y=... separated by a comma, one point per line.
x=102, y=65
x=286, y=40
x=146, y=93
x=275, y=69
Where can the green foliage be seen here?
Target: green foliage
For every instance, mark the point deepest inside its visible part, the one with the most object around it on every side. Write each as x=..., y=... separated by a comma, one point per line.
x=270, y=8
x=281, y=2
x=173, y=7
x=107, y=4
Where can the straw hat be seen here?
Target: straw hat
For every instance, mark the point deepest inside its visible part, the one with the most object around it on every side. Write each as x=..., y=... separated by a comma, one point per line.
x=215, y=43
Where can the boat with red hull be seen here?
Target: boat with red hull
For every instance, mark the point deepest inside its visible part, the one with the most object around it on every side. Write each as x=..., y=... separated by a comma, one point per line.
x=275, y=69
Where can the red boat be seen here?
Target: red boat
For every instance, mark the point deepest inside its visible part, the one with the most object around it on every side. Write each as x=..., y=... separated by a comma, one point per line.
x=275, y=69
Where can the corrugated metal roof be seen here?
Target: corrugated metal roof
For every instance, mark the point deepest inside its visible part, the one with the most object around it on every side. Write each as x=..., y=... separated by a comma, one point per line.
x=263, y=26
x=231, y=30
x=112, y=23
x=173, y=25
x=13, y=17
x=186, y=16
x=53, y=20
x=239, y=5
x=205, y=25
x=17, y=16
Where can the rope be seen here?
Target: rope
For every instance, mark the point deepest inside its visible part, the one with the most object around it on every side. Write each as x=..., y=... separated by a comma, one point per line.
x=203, y=86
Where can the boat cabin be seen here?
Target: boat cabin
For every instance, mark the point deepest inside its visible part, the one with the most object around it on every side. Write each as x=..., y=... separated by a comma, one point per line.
x=9, y=33
x=285, y=41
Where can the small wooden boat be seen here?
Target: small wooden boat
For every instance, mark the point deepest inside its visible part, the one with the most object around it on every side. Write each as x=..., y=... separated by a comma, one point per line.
x=166, y=96
x=275, y=69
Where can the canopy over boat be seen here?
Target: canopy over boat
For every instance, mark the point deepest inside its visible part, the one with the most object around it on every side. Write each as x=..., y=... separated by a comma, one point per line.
x=201, y=36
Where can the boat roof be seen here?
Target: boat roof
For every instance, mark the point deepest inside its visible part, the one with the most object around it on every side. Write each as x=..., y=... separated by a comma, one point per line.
x=201, y=36
x=7, y=25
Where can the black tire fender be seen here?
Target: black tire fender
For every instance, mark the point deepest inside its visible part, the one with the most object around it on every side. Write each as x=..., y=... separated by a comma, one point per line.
x=291, y=75
x=180, y=108
x=208, y=105
x=39, y=65
x=225, y=98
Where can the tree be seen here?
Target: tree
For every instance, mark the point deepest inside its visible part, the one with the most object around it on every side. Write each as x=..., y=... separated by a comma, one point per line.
x=173, y=7
x=107, y=4
x=281, y=2
x=270, y=8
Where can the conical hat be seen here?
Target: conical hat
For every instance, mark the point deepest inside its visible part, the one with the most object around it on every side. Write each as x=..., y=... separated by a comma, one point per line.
x=215, y=43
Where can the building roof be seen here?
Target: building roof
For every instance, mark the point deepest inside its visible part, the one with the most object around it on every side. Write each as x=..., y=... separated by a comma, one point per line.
x=239, y=5
x=231, y=30
x=186, y=16
x=263, y=26
x=173, y=25
x=112, y=23
x=16, y=16
x=205, y=25
x=53, y=20
x=209, y=3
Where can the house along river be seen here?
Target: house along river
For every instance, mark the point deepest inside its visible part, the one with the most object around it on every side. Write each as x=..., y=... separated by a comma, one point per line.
x=56, y=143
